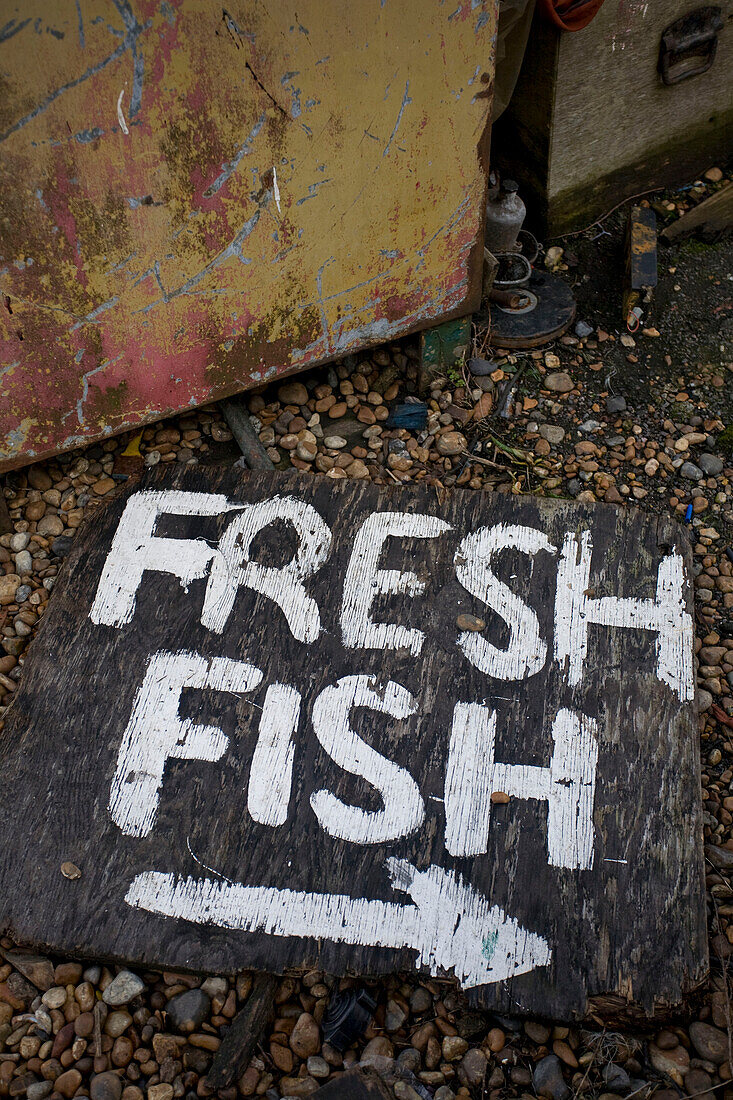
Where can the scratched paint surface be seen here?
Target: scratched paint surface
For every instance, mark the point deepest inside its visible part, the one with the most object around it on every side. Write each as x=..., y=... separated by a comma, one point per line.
x=193, y=201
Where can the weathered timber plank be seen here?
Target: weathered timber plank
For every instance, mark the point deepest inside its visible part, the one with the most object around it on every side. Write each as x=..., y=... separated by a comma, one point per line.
x=713, y=216
x=245, y=1032
x=237, y=417
x=281, y=812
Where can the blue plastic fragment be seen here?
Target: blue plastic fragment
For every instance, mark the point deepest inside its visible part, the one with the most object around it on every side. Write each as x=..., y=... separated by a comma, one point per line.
x=688, y=513
x=408, y=416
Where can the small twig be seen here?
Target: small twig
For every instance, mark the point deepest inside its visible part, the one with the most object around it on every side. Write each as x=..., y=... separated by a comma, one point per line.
x=579, y=1089
x=97, y=1030
x=482, y=461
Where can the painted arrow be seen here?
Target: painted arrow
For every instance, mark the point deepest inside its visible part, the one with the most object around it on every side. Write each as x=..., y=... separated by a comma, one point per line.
x=451, y=925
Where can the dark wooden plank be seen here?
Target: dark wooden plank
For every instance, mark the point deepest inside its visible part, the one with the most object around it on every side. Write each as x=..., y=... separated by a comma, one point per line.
x=713, y=216
x=245, y=1032
x=237, y=417
x=500, y=805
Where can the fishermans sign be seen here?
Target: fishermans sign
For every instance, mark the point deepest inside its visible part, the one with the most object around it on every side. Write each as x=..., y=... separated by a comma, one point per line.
x=278, y=720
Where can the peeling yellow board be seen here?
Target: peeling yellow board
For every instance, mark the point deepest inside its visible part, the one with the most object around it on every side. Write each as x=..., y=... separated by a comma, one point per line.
x=194, y=199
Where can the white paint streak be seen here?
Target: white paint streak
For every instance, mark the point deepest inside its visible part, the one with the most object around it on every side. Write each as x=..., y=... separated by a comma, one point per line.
x=233, y=566
x=568, y=785
x=271, y=773
x=575, y=610
x=157, y=733
x=135, y=549
x=364, y=581
x=120, y=116
x=450, y=925
x=527, y=652
x=275, y=188
x=404, y=809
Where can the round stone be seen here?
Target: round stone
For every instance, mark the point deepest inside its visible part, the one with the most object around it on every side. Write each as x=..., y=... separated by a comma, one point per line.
x=306, y=452
x=553, y=433
x=55, y=997
x=50, y=526
x=188, y=1010
x=409, y=1059
x=710, y=465
x=162, y=1091
x=9, y=584
x=394, y=1016
x=454, y=1048
x=709, y=1042
x=420, y=1000
x=380, y=1047
x=122, y=1051
x=548, y=1079
x=117, y=1023
x=123, y=988
x=472, y=1068
x=305, y=1038
x=674, y=1062
x=23, y=562
x=35, y=510
x=317, y=1067
x=470, y=622
x=39, y=1090
x=558, y=382
x=105, y=1086
x=334, y=442
x=38, y=478
x=292, y=393
x=451, y=443
x=68, y=1083
x=84, y=1025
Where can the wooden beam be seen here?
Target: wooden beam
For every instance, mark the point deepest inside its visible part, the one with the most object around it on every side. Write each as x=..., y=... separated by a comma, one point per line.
x=237, y=417
x=245, y=1032
x=713, y=216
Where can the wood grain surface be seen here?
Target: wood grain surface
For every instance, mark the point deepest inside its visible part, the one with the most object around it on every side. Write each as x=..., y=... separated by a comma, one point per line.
x=590, y=874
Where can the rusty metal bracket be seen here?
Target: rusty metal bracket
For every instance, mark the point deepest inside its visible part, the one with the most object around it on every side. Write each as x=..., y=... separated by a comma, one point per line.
x=641, y=262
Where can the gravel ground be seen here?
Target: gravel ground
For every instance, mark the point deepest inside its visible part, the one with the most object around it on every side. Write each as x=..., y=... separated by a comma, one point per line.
x=601, y=415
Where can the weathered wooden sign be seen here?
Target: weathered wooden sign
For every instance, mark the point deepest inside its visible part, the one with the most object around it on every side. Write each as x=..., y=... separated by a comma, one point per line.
x=285, y=720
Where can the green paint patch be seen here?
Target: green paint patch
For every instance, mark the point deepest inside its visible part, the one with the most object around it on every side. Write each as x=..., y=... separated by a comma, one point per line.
x=488, y=945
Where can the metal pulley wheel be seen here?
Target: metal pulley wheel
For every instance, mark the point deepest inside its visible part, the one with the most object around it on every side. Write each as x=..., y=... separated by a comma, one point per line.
x=570, y=15
x=546, y=311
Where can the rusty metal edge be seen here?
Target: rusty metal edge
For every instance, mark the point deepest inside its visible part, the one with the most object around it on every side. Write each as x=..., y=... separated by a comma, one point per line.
x=470, y=304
